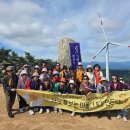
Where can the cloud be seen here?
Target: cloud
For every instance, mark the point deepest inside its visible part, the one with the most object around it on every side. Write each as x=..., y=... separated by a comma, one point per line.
x=37, y=26
x=24, y=25
x=66, y=26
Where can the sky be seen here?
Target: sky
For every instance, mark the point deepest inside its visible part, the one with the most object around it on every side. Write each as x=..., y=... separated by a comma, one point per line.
x=37, y=26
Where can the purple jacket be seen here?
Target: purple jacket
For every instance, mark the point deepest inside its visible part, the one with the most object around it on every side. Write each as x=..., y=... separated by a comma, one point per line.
x=120, y=87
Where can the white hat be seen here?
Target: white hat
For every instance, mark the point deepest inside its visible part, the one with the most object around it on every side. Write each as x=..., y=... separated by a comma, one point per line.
x=26, y=65
x=89, y=66
x=79, y=63
x=23, y=72
x=103, y=79
x=36, y=66
x=55, y=73
x=44, y=70
x=58, y=64
x=71, y=81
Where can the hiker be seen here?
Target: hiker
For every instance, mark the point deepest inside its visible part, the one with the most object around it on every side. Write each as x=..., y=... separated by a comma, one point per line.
x=37, y=69
x=97, y=73
x=33, y=84
x=24, y=67
x=60, y=88
x=71, y=89
x=10, y=81
x=116, y=85
x=46, y=85
x=90, y=74
x=22, y=81
x=104, y=87
x=64, y=72
x=56, y=78
x=27, y=68
x=79, y=75
x=44, y=74
x=57, y=68
x=71, y=72
x=85, y=89
x=50, y=72
x=44, y=65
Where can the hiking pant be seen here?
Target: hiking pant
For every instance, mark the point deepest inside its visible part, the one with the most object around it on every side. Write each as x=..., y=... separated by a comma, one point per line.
x=22, y=102
x=77, y=87
x=123, y=112
x=10, y=99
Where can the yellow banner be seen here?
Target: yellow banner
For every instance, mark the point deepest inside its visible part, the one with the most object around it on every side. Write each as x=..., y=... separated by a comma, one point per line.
x=90, y=103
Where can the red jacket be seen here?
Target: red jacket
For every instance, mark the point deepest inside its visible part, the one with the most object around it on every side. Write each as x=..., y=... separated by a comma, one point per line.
x=31, y=84
x=56, y=80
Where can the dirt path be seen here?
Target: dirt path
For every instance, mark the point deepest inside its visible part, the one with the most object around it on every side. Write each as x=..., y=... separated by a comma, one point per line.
x=56, y=121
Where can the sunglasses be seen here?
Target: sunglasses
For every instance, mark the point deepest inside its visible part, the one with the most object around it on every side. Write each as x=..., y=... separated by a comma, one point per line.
x=44, y=71
x=85, y=79
x=26, y=67
x=114, y=78
x=36, y=68
x=61, y=82
x=9, y=71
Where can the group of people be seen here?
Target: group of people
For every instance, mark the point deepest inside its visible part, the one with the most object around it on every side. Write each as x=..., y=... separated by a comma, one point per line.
x=59, y=80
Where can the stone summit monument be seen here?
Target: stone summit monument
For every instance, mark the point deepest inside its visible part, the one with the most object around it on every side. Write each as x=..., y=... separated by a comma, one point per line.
x=64, y=57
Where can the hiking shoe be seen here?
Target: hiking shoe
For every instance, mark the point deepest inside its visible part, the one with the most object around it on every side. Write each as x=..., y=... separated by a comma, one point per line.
x=109, y=117
x=10, y=115
x=119, y=117
x=73, y=114
x=55, y=110
x=47, y=111
x=82, y=115
x=31, y=112
x=60, y=111
x=36, y=109
x=125, y=119
x=41, y=111
x=99, y=115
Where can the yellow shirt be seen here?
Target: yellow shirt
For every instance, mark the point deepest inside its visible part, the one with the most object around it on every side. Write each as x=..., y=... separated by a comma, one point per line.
x=62, y=74
x=79, y=74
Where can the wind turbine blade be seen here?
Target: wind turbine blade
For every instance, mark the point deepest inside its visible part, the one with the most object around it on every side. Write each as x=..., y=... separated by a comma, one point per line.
x=118, y=44
x=100, y=51
x=103, y=30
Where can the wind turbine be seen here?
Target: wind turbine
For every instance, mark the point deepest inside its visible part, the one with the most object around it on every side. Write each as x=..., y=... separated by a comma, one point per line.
x=106, y=46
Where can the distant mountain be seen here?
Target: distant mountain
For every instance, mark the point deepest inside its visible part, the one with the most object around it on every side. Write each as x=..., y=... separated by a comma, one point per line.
x=113, y=65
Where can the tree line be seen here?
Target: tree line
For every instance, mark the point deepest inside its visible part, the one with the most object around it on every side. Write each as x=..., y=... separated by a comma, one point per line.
x=10, y=57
